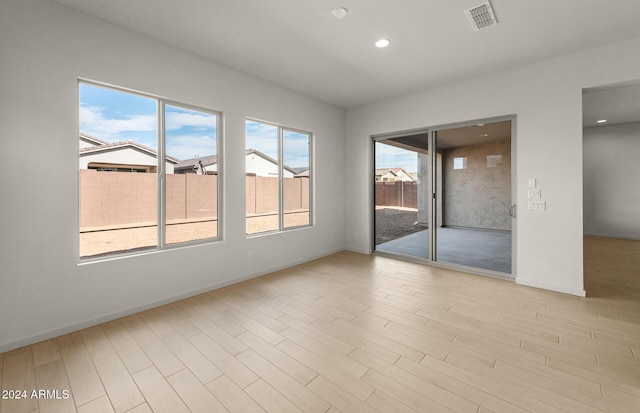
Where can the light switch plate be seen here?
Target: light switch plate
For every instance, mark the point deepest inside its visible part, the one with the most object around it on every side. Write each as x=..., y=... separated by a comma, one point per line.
x=532, y=182
x=537, y=205
x=535, y=193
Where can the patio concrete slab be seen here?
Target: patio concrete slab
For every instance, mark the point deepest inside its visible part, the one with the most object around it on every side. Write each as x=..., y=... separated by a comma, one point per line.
x=486, y=249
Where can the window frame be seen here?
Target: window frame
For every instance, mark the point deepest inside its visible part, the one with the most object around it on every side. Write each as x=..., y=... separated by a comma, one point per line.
x=161, y=104
x=280, y=135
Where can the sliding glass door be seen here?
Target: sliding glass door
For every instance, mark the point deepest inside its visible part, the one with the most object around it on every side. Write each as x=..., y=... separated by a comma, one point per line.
x=444, y=195
x=402, y=202
x=474, y=183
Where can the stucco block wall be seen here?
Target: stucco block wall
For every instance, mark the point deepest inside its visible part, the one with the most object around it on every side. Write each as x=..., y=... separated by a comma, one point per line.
x=176, y=187
x=201, y=196
x=262, y=195
x=478, y=196
x=296, y=194
x=399, y=193
x=123, y=199
x=117, y=199
x=265, y=198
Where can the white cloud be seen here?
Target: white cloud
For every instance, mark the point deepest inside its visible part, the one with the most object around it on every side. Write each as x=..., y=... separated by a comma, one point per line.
x=93, y=122
x=187, y=146
x=388, y=156
x=178, y=120
x=296, y=152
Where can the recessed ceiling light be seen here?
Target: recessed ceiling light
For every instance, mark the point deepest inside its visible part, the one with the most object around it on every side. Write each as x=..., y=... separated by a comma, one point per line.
x=484, y=135
x=383, y=43
x=601, y=121
x=340, y=12
x=480, y=124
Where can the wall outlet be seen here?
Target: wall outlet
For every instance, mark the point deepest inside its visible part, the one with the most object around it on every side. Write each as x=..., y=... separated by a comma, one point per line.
x=537, y=205
x=249, y=254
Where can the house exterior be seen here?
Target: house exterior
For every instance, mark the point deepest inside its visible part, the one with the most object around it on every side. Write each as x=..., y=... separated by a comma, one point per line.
x=126, y=156
x=393, y=175
x=257, y=163
x=205, y=165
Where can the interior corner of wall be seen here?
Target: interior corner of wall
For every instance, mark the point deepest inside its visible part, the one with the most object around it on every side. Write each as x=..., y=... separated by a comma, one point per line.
x=580, y=291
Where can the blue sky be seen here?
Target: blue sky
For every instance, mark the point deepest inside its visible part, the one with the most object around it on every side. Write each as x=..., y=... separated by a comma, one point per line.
x=388, y=156
x=114, y=116
x=264, y=137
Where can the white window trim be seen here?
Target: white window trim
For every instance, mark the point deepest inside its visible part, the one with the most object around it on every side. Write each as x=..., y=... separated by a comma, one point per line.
x=161, y=173
x=281, y=130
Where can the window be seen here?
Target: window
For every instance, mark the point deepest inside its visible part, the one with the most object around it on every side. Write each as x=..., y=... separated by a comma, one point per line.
x=278, y=177
x=148, y=172
x=460, y=163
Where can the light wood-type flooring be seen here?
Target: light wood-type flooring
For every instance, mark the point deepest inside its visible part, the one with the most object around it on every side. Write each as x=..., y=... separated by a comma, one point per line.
x=354, y=333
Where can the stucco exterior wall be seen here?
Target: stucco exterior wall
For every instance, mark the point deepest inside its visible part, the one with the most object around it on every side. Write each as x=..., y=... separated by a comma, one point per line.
x=478, y=196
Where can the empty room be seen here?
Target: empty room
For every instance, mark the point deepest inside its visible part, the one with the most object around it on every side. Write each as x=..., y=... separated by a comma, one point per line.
x=305, y=206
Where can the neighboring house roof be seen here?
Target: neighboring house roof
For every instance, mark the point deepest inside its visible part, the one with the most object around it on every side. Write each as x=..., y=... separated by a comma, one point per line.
x=126, y=144
x=213, y=159
x=190, y=163
x=92, y=139
x=302, y=171
x=395, y=172
x=384, y=171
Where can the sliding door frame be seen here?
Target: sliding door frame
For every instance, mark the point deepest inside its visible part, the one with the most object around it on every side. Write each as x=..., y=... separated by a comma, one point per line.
x=432, y=192
x=382, y=138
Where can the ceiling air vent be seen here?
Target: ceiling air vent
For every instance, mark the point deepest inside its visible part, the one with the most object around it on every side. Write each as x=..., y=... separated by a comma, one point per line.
x=481, y=16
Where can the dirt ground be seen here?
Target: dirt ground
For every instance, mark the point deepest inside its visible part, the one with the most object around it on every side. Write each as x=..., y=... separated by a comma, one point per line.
x=100, y=243
x=395, y=222
x=391, y=223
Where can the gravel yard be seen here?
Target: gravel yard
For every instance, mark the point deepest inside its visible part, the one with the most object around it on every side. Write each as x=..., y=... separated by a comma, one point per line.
x=395, y=222
x=100, y=243
x=391, y=223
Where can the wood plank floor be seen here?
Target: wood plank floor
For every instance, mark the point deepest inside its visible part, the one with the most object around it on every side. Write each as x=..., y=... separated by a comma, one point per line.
x=354, y=333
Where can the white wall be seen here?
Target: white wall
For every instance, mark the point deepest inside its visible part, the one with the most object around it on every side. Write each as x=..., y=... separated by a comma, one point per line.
x=612, y=180
x=547, y=99
x=44, y=48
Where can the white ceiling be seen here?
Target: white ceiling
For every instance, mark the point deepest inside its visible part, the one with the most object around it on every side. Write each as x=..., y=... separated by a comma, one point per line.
x=299, y=44
x=473, y=135
x=617, y=104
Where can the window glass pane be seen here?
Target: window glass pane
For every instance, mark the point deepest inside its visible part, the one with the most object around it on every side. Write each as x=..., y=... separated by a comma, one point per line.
x=402, y=202
x=191, y=166
x=261, y=177
x=277, y=160
x=118, y=146
x=296, y=178
x=460, y=163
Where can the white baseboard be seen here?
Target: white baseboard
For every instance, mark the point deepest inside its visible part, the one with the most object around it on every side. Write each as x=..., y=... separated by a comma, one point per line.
x=630, y=238
x=551, y=287
x=12, y=345
x=358, y=251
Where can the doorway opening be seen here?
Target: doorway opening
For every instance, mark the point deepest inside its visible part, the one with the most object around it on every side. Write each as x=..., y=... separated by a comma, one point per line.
x=443, y=195
x=402, y=202
x=611, y=172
